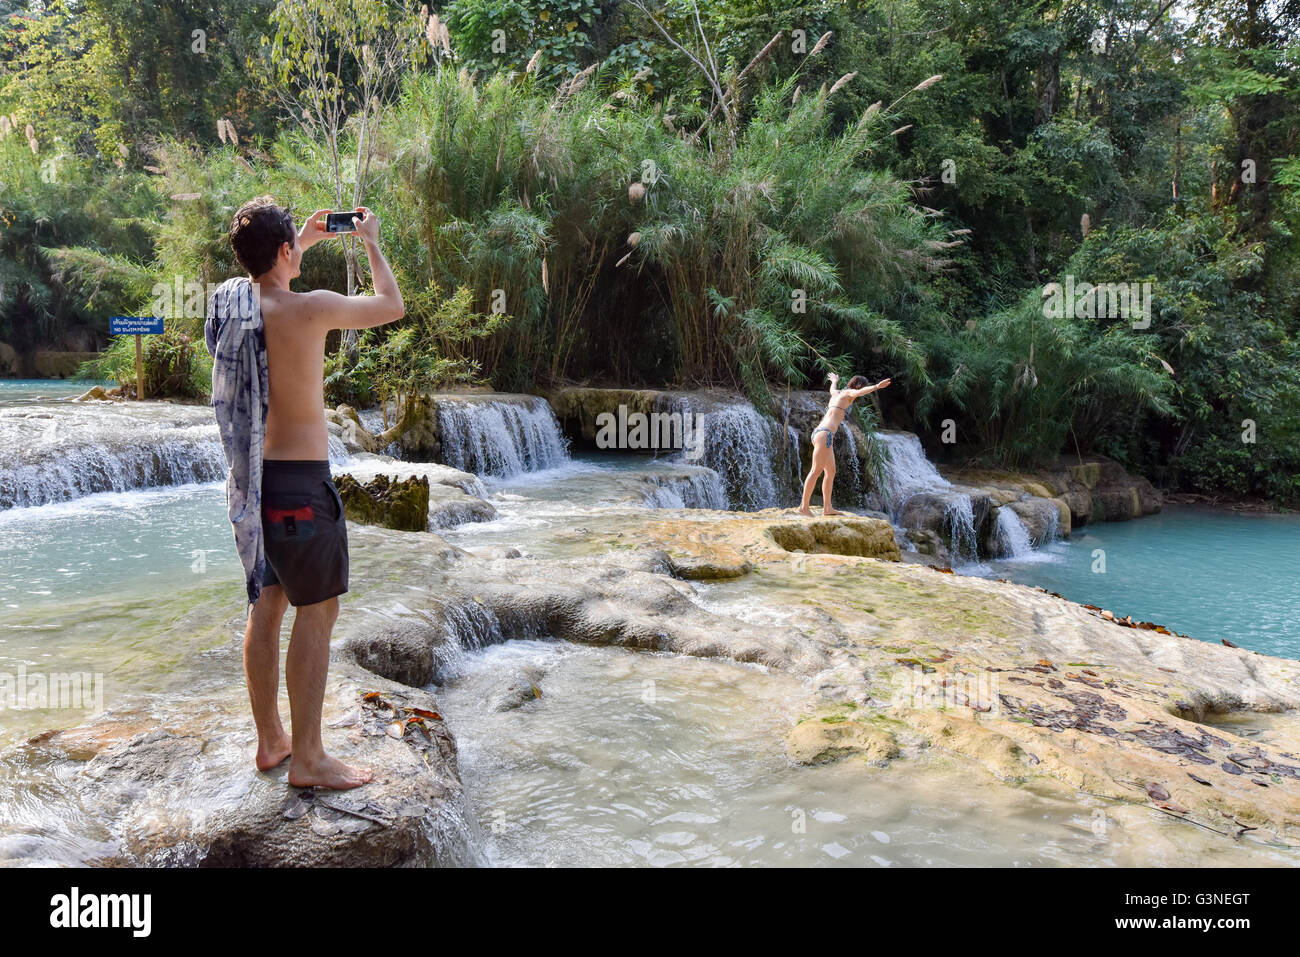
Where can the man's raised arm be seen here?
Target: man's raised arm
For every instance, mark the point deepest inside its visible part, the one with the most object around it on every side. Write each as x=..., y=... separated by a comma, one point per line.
x=362, y=312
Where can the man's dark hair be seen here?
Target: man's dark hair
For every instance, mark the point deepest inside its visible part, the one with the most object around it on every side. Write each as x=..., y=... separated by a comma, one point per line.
x=857, y=382
x=257, y=231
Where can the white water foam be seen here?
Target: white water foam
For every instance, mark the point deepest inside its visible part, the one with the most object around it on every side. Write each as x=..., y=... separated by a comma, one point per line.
x=61, y=453
x=738, y=444
x=1013, y=537
x=908, y=472
x=500, y=437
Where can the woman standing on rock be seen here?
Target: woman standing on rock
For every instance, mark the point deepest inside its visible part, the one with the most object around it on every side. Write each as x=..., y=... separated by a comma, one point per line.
x=823, y=440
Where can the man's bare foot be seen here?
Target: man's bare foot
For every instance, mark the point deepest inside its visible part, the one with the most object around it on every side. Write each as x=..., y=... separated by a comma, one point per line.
x=805, y=510
x=328, y=773
x=831, y=511
x=271, y=754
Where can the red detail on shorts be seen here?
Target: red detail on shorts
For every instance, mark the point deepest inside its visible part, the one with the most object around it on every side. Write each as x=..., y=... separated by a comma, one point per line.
x=304, y=514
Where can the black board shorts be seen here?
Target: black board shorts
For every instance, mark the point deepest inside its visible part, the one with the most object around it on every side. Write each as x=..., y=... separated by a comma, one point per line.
x=304, y=532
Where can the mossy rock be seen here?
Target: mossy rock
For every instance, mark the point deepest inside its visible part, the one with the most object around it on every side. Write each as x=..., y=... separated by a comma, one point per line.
x=402, y=505
x=837, y=736
x=867, y=538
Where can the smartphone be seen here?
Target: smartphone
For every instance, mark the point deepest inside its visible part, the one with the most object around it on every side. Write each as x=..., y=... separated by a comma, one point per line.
x=341, y=222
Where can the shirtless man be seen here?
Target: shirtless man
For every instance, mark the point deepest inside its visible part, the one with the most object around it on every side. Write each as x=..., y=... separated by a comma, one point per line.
x=823, y=440
x=302, y=516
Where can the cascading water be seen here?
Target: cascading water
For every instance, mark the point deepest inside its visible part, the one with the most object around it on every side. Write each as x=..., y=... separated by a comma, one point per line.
x=854, y=473
x=907, y=470
x=908, y=473
x=500, y=437
x=702, y=489
x=737, y=443
x=793, y=463
x=959, y=520
x=1012, y=536
x=62, y=452
x=372, y=420
x=1053, y=527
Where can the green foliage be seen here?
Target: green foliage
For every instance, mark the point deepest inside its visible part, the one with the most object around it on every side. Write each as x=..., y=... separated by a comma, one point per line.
x=1030, y=386
x=657, y=201
x=397, y=366
x=495, y=35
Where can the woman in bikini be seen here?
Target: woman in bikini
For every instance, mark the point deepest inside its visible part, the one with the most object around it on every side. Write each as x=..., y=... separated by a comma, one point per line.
x=823, y=440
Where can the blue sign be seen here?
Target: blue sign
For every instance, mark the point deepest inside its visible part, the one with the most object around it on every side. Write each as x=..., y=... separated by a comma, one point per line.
x=135, y=326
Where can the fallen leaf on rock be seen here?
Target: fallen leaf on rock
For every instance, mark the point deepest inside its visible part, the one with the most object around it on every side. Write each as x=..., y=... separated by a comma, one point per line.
x=395, y=730
x=295, y=807
x=1157, y=792
x=1176, y=808
x=1199, y=780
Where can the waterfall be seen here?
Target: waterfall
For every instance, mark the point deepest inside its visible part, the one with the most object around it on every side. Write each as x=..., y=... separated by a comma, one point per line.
x=372, y=420
x=1012, y=536
x=65, y=452
x=855, y=470
x=738, y=444
x=701, y=489
x=907, y=471
x=794, y=471
x=490, y=436
x=59, y=453
x=1053, y=528
x=959, y=521
x=469, y=626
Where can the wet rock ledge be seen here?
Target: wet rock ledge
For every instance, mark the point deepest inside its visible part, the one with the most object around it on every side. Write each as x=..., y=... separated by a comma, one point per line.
x=175, y=785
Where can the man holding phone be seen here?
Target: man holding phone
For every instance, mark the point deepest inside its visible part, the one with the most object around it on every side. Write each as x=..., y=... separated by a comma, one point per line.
x=273, y=358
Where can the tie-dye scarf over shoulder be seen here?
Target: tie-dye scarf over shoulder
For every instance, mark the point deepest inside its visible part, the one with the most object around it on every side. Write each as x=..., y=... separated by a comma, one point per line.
x=237, y=343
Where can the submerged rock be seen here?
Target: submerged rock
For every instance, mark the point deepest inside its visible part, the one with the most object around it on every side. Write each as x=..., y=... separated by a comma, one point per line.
x=523, y=686
x=819, y=740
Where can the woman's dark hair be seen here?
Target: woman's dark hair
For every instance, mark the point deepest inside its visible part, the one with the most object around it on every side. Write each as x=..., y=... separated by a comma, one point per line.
x=857, y=382
x=257, y=231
